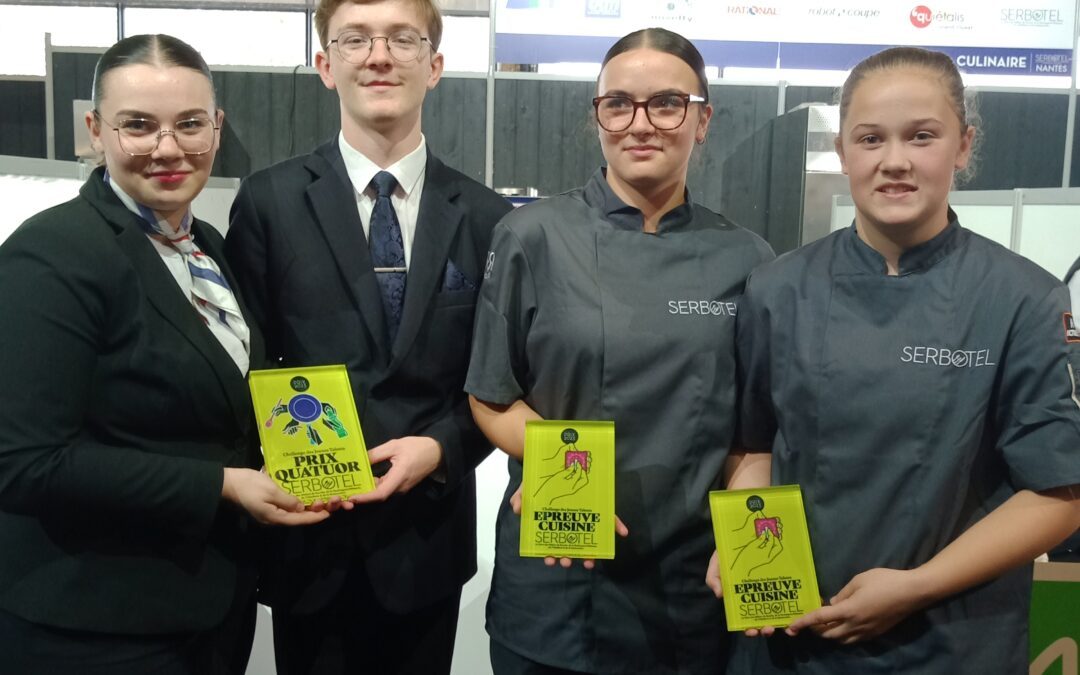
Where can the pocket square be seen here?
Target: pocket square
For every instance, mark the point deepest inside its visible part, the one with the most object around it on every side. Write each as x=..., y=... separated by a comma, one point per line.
x=455, y=280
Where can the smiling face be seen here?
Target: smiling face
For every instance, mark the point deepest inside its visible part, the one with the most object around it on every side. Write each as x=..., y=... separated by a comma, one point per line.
x=381, y=93
x=167, y=180
x=900, y=143
x=643, y=159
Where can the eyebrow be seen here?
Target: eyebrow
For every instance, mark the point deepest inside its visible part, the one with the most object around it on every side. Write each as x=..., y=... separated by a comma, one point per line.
x=183, y=114
x=392, y=28
x=620, y=92
x=914, y=123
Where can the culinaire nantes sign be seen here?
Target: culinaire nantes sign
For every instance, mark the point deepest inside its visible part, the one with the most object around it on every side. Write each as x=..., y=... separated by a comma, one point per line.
x=310, y=434
x=568, y=490
x=766, y=565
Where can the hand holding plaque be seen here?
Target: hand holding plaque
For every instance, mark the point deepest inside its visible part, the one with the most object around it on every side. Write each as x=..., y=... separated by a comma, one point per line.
x=568, y=490
x=764, y=559
x=310, y=433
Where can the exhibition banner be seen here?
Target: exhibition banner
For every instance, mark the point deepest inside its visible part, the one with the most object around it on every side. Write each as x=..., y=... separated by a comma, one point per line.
x=1054, y=626
x=1008, y=37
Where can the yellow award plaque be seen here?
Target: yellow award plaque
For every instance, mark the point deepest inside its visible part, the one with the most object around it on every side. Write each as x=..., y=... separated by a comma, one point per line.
x=310, y=433
x=568, y=490
x=766, y=565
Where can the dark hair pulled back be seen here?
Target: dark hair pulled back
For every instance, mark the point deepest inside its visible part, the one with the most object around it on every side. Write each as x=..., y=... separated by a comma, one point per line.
x=154, y=50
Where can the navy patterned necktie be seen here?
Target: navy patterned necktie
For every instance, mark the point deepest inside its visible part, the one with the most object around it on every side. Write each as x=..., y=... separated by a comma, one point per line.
x=387, y=251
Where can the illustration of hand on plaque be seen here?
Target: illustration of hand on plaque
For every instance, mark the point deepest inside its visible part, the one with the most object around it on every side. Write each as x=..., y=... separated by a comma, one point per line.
x=330, y=419
x=764, y=542
x=563, y=474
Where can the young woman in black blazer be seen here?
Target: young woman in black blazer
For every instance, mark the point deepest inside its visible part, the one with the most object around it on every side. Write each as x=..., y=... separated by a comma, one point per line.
x=127, y=444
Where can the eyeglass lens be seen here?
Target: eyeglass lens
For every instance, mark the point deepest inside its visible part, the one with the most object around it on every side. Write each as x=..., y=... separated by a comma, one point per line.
x=141, y=137
x=664, y=111
x=356, y=47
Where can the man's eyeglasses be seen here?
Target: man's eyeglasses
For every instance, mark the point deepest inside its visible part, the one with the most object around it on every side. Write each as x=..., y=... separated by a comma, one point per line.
x=664, y=111
x=139, y=137
x=355, y=47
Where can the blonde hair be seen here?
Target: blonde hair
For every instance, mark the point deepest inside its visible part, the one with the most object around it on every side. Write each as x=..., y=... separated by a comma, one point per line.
x=427, y=9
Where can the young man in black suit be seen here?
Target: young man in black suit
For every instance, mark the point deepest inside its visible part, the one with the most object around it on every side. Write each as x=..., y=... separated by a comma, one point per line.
x=369, y=252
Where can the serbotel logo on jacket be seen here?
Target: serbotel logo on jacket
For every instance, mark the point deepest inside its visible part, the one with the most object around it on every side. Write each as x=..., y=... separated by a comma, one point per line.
x=946, y=357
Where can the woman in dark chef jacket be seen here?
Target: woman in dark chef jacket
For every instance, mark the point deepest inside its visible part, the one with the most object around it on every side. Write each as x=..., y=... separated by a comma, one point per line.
x=616, y=301
x=126, y=426
x=1069, y=550
x=917, y=380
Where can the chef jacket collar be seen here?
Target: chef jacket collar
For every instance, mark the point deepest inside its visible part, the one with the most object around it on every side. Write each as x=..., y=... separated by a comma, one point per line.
x=599, y=194
x=915, y=259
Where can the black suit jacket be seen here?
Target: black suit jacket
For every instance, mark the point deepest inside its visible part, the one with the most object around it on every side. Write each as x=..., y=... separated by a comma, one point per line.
x=298, y=248
x=118, y=411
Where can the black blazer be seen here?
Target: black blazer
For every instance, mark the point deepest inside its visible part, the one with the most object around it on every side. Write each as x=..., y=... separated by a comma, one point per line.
x=298, y=248
x=118, y=411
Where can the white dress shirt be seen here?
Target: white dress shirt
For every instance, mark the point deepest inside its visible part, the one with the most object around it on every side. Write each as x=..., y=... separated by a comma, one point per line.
x=409, y=172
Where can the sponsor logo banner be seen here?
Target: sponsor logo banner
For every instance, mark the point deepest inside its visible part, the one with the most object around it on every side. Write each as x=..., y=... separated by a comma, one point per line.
x=986, y=36
x=998, y=61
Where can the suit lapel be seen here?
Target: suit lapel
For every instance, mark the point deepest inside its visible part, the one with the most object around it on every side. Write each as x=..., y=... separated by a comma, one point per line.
x=236, y=388
x=333, y=201
x=437, y=223
x=165, y=296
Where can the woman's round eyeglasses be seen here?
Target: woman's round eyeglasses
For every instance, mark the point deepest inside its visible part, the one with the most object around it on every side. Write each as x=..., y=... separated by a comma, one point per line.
x=665, y=111
x=139, y=137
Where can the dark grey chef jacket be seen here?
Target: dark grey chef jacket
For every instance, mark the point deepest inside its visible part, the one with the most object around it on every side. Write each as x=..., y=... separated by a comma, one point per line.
x=1069, y=550
x=908, y=407
x=585, y=316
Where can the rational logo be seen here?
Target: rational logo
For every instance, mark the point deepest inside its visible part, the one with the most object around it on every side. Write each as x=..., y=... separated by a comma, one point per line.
x=921, y=16
x=753, y=10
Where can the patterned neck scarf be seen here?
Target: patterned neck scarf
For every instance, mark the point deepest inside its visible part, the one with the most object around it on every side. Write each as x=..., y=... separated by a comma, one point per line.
x=210, y=292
